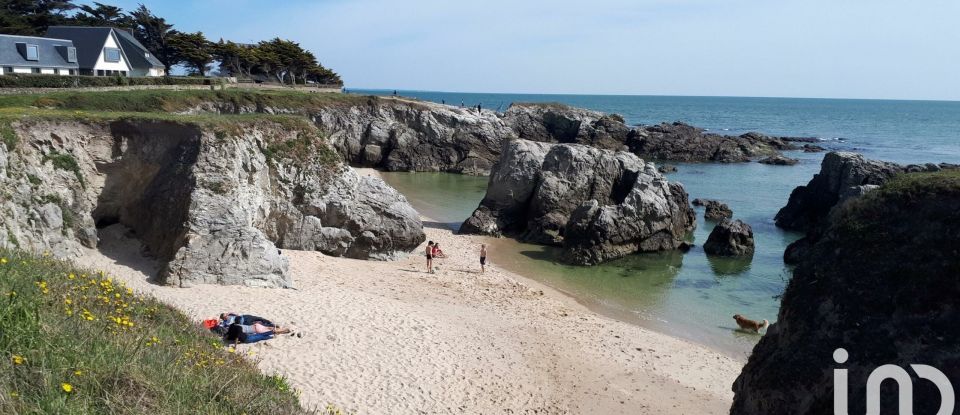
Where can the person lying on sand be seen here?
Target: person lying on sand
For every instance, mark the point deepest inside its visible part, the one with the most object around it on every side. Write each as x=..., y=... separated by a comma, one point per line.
x=243, y=333
x=226, y=319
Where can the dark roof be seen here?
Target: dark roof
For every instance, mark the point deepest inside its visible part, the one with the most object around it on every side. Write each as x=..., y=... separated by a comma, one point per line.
x=52, y=52
x=139, y=56
x=90, y=41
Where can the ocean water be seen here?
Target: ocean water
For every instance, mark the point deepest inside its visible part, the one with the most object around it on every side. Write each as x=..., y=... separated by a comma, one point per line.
x=691, y=295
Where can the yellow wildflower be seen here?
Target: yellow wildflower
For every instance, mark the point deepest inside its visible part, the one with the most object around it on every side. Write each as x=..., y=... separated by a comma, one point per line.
x=17, y=359
x=12, y=294
x=67, y=301
x=66, y=387
x=70, y=276
x=3, y=261
x=14, y=394
x=78, y=372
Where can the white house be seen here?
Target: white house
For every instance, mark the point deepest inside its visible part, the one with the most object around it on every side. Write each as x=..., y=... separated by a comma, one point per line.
x=107, y=51
x=37, y=55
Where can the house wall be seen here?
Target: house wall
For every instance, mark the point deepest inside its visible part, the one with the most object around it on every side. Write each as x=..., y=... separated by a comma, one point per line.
x=102, y=64
x=48, y=71
x=156, y=72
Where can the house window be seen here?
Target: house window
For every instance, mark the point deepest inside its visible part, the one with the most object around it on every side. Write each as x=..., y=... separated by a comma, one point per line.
x=99, y=72
x=71, y=55
x=111, y=54
x=33, y=53
x=72, y=72
x=35, y=70
x=8, y=69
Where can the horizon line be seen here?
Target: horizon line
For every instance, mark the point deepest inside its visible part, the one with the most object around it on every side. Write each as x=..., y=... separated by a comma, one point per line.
x=651, y=95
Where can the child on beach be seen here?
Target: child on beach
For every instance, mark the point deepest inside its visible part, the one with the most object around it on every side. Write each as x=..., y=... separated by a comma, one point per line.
x=483, y=258
x=430, y=257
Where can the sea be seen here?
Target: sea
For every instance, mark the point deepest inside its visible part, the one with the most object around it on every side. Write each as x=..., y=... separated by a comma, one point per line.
x=690, y=295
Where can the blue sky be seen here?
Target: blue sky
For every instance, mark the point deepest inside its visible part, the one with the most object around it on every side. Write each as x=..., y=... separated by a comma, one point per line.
x=807, y=48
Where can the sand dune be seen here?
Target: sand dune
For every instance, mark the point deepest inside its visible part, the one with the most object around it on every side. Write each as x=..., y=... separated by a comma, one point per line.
x=389, y=338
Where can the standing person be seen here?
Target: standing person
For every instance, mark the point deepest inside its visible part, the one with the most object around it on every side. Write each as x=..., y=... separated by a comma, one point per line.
x=443, y=102
x=394, y=92
x=483, y=258
x=461, y=104
x=430, y=257
x=478, y=109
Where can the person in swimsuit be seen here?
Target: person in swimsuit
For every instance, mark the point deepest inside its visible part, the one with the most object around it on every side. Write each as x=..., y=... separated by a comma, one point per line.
x=483, y=258
x=430, y=257
x=437, y=252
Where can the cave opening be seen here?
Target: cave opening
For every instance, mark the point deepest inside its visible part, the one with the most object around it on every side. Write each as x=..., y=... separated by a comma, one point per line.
x=622, y=186
x=147, y=183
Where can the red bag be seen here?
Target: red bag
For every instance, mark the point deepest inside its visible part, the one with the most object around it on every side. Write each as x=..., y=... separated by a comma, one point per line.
x=209, y=324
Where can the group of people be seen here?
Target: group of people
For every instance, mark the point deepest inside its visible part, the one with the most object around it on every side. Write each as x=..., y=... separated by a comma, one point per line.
x=245, y=328
x=433, y=251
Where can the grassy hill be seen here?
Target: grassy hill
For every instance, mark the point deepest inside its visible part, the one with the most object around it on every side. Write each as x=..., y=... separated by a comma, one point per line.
x=76, y=341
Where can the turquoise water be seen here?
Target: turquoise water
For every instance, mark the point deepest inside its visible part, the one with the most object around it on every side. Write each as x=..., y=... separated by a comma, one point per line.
x=690, y=295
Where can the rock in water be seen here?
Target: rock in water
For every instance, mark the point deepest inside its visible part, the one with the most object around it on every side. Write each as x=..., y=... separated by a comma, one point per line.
x=730, y=238
x=778, y=160
x=840, y=173
x=597, y=204
x=881, y=283
x=715, y=210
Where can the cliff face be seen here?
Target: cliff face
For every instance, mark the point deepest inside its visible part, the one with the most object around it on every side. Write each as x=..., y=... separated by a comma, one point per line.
x=597, y=204
x=880, y=282
x=212, y=204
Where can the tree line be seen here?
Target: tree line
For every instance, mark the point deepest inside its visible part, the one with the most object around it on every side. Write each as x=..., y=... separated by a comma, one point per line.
x=282, y=60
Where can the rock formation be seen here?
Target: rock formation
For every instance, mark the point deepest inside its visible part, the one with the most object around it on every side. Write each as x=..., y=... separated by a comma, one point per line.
x=714, y=210
x=211, y=203
x=597, y=204
x=881, y=283
x=404, y=135
x=778, y=160
x=842, y=175
x=730, y=238
x=682, y=142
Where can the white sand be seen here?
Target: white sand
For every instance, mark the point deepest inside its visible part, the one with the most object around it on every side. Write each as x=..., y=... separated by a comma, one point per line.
x=389, y=338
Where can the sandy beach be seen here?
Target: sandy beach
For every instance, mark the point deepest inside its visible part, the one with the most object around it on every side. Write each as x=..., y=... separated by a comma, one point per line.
x=389, y=338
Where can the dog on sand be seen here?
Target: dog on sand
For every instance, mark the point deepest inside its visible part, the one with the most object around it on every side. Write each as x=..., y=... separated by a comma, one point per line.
x=747, y=324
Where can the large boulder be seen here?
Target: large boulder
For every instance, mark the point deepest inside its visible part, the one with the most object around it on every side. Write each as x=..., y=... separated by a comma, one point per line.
x=558, y=123
x=881, y=283
x=841, y=176
x=597, y=204
x=730, y=238
x=211, y=206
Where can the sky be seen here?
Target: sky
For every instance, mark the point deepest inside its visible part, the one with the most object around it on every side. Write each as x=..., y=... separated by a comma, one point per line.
x=881, y=49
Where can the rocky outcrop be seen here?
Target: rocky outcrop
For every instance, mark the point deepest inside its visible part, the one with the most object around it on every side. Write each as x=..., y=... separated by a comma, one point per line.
x=730, y=238
x=881, y=283
x=778, y=160
x=842, y=175
x=404, y=135
x=597, y=204
x=683, y=142
x=715, y=210
x=211, y=203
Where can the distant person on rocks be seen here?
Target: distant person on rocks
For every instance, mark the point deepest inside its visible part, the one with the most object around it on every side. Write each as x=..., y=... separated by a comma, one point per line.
x=443, y=102
x=461, y=104
x=478, y=110
x=430, y=257
x=483, y=258
x=394, y=92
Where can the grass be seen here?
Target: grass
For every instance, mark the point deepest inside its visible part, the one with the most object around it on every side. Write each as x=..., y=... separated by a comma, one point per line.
x=175, y=101
x=68, y=163
x=78, y=342
x=8, y=136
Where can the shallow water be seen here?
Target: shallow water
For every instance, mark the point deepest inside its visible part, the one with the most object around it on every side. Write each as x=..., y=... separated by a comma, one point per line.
x=685, y=295
x=690, y=295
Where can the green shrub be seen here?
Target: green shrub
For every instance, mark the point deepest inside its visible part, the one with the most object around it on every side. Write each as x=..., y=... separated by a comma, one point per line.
x=78, y=342
x=62, y=81
x=8, y=136
x=66, y=162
